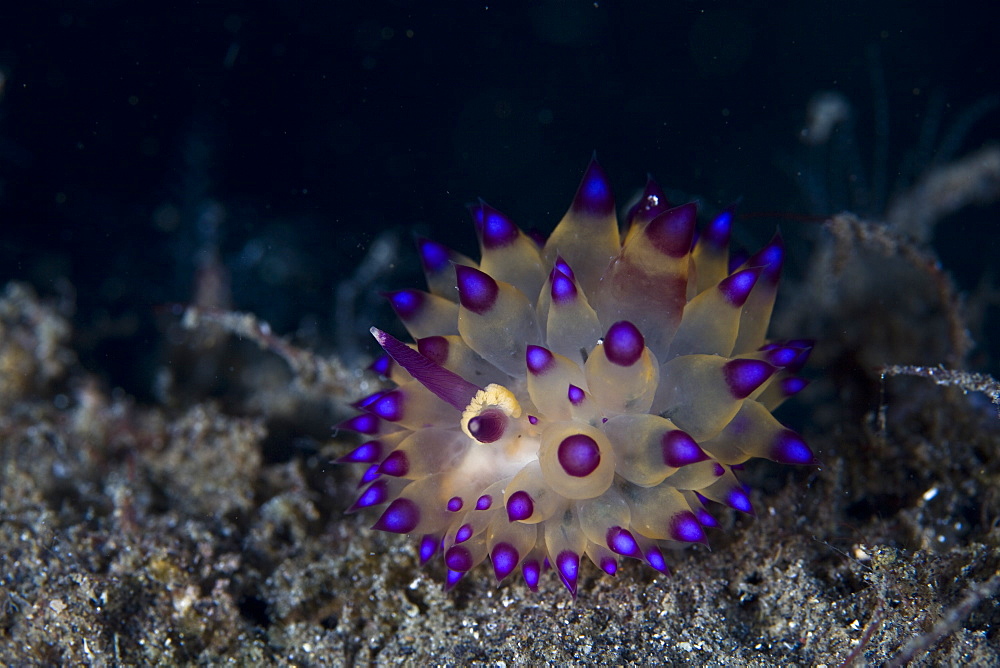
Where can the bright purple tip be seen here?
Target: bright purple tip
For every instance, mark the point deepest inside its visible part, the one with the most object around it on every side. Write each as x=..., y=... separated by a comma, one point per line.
x=623, y=344
x=684, y=526
x=579, y=455
x=593, y=197
x=705, y=519
x=495, y=229
x=485, y=502
x=609, y=565
x=444, y=384
x=744, y=376
x=520, y=506
x=621, y=541
x=476, y=291
x=770, y=257
x=455, y=504
x=363, y=424
x=433, y=256
x=428, y=546
x=458, y=558
x=389, y=406
x=671, y=231
x=651, y=204
x=738, y=499
x=402, y=516
x=782, y=356
x=463, y=534
x=789, y=448
x=718, y=470
x=434, y=348
x=736, y=287
x=532, y=419
x=563, y=267
x=406, y=303
x=489, y=426
x=568, y=565
x=716, y=234
x=539, y=360
x=366, y=453
x=562, y=290
x=575, y=395
x=371, y=473
x=375, y=494
x=452, y=579
x=505, y=558
x=790, y=386
x=679, y=449
x=382, y=365
x=396, y=464
x=654, y=557
x=531, y=571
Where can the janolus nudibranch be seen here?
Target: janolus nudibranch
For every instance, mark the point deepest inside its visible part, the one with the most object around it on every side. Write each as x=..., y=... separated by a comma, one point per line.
x=589, y=396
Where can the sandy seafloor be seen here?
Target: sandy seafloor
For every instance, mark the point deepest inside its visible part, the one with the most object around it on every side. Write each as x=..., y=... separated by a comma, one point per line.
x=167, y=495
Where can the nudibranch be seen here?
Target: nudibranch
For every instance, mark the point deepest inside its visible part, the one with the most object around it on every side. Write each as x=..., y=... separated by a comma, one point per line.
x=593, y=393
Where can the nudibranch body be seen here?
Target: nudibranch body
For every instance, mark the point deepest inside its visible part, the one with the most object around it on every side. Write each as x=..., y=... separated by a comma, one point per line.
x=588, y=395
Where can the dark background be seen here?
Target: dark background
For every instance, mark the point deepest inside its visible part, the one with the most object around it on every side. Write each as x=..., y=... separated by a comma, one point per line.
x=137, y=140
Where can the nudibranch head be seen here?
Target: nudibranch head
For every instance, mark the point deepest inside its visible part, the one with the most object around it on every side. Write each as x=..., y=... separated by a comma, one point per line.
x=593, y=395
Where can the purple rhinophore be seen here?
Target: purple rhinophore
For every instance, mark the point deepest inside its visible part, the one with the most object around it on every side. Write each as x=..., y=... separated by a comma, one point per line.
x=477, y=291
x=716, y=233
x=679, y=449
x=455, y=504
x=402, y=516
x=485, y=502
x=562, y=290
x=389, y=406
x=539, y=360
x=594, y=197
x=494, y=228
x=576, y=395
x=489, y=426
x=397, y=464
x=505, y=558
x=374, y=494
x=520, y=506
x=789, y=448
x=684, y=526
x=366, y=453
x=623, y=344
x=428, y=547
x=621, y=541
x=743, y=376
x=434, y=348
x=463, y=534
x=444, y=384
x=458, y=558
x=579, y=455
x=671, y=231
x=568, y=567
x=736, y=287
x=433, y=256
x=406, y=303
x=531, y=571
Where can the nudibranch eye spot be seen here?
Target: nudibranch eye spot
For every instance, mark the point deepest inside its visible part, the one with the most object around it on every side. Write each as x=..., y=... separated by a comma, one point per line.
x=591, y=394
